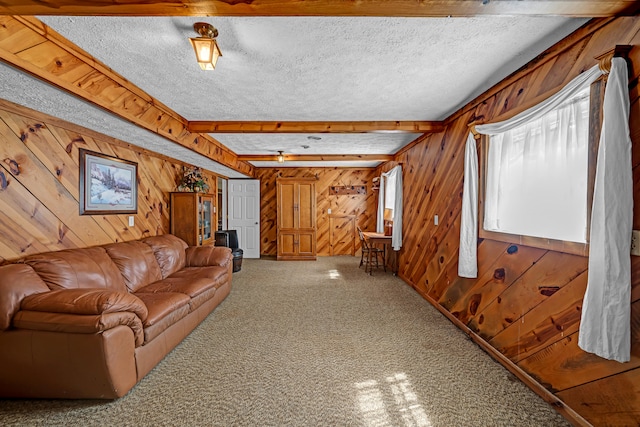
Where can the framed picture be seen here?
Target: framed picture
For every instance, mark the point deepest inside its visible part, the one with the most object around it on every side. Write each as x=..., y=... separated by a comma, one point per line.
x=108, y=185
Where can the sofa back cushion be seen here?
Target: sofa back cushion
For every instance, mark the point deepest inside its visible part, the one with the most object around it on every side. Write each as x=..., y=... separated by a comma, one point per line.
x=169, y=251
x=77, y=268
x=136, y=262
x=16, y=282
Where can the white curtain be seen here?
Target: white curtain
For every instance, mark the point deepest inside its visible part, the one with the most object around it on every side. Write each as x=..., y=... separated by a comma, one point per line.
x=468, y=254
x=391, y=178
x=396, y=235
x=569, y=91
x=381, y=199
x=605, y=327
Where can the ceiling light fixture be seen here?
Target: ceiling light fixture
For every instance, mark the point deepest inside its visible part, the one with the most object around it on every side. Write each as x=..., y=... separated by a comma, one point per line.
x=280, y=157
x=205, y=46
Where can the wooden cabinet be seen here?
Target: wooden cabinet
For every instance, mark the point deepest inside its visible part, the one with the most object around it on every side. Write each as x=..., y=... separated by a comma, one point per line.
x=296, y=223
x=192, y=218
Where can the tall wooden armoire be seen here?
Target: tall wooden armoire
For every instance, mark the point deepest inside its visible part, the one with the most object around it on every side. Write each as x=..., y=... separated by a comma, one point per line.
x=296, y=224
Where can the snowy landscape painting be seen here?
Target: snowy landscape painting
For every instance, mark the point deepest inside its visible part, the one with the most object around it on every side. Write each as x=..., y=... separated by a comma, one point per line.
x=107, y=184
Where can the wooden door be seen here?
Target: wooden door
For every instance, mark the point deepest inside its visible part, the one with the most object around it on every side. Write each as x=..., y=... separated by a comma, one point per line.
x=342, y=230
x=244, y=214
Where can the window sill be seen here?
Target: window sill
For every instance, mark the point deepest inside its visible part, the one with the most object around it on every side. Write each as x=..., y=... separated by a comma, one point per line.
x=575, y=248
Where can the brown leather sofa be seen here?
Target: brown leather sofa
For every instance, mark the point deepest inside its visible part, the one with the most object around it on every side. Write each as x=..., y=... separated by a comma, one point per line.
x=92, y=322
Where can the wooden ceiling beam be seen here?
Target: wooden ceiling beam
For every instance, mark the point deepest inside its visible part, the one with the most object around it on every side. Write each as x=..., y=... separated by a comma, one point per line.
x=317, y=157
x=316, y=127
x=406, y=8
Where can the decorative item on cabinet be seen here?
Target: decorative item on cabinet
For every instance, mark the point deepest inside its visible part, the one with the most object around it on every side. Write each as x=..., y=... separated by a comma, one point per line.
x=192, y=216
x=193, y=180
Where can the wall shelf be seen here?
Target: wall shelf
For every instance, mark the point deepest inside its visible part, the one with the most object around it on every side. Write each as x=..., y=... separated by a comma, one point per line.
x=347, y=190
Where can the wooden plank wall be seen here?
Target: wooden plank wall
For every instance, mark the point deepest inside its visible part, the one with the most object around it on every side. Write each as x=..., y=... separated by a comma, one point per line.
x=363, y=207
x=526, y=302
x=39, y=178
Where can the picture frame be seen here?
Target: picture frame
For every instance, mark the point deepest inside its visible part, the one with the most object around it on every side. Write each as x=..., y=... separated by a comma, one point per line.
x=108, y=185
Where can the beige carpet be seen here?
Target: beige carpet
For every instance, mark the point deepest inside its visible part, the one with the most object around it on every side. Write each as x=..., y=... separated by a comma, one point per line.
x=313, y=344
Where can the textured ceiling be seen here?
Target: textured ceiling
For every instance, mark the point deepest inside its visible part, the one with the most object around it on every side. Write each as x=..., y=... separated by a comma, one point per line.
x=315, y=69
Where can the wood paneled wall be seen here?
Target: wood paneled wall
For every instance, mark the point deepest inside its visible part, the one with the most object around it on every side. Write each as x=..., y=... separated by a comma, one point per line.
x=526, y=303
x=39, y=178
x=362, y=207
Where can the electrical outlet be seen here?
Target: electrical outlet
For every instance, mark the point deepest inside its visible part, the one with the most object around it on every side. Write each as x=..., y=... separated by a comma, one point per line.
x=131, y=221
x=635, y=242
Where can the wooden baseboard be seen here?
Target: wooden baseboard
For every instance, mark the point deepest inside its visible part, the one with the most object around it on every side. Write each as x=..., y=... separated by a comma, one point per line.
x=572, y=416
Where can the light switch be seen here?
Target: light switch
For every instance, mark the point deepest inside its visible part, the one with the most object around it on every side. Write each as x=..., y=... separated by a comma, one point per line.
x=329, y=211
x=131, y=221
x=435, y=220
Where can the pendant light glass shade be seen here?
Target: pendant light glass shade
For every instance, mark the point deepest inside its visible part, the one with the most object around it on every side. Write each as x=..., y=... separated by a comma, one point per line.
x=207, y=52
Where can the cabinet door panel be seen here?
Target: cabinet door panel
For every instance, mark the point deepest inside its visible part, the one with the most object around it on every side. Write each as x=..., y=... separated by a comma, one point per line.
x=306, y=244
x=306, y=211
x=286, y=244
x=185, y=217
x=206, y=234
x=286, y=203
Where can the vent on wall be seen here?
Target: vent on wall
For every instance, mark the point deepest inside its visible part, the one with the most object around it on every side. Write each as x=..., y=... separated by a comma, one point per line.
x=346, y=190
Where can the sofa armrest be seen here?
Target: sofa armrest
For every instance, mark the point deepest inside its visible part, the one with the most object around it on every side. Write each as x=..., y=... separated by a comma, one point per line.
x=78, y=324
x=202, y=256
x=85, y=302
x=16, y=282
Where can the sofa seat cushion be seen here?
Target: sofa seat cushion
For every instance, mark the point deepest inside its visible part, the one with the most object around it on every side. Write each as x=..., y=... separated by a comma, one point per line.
x=218, y=275
x=165, y=309
x=77, y=268
x=201, y=298
x=136, y=262
x=187, y=286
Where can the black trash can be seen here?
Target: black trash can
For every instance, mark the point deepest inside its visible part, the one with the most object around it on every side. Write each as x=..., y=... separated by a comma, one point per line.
x=229, y=239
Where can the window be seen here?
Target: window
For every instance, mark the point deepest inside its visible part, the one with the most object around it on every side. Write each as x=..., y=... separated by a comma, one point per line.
x=537, y=175
x=389, y=191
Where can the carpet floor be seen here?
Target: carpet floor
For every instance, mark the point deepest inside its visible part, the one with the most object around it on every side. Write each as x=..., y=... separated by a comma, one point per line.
x=313, y=343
